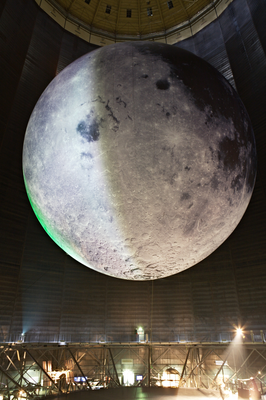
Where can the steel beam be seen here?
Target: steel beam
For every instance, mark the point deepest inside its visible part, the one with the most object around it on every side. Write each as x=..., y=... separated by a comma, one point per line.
x=94, y=358
x=199, y=364
x=231, y=377
x=221, y=367
x=77, y=364
x=15, y=382
x=162, y=354
x=260, y=354
x=40, y=366
x=205, y=373
x=111, y=355
x=184, y=366
x=138, y=356
x=11, y=362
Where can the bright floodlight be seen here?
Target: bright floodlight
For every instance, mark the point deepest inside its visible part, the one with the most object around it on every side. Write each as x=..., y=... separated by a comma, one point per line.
x=239, y=331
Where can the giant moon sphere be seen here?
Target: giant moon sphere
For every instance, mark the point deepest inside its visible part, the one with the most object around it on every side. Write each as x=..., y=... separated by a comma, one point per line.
x=139, y=160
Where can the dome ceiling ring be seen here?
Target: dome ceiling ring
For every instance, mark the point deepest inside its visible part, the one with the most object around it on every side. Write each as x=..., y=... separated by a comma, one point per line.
x=104, y=22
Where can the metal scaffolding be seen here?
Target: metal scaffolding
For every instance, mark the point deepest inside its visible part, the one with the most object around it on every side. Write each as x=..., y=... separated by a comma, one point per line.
x=30, y=370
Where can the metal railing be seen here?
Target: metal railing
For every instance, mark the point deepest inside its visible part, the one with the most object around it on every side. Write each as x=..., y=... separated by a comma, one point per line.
x=87, y=337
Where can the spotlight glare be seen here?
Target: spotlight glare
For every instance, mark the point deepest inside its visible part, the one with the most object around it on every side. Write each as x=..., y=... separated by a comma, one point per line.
x=239, y=331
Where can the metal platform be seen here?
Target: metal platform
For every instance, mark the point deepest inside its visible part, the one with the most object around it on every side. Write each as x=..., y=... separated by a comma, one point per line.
x=30, y=370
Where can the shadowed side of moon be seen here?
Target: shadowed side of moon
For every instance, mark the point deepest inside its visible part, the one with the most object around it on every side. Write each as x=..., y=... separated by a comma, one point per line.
x=139, y=167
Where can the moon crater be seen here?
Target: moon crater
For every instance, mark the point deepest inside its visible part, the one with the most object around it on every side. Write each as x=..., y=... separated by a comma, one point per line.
x=139, y=160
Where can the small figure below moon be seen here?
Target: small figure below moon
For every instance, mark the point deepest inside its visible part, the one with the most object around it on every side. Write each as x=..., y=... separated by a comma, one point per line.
x=139, y=160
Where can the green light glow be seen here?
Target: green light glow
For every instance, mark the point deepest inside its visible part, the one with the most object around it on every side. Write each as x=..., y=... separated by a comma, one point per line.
x=37, y=211
x=56, y=237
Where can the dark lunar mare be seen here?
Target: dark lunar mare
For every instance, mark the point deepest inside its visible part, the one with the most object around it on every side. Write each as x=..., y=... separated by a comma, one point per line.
x=209, y=87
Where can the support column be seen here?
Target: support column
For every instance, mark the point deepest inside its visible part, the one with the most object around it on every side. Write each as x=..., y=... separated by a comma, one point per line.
x=149, y=366
x=111, y=355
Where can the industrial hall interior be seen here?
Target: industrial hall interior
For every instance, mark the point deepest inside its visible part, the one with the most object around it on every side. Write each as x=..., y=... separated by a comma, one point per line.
x=133, y=199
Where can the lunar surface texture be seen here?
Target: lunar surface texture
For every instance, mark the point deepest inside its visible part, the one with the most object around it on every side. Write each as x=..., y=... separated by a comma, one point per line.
x=139, y=160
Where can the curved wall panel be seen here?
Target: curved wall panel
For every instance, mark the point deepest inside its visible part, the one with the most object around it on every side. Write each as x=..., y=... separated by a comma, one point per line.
x=46, y=294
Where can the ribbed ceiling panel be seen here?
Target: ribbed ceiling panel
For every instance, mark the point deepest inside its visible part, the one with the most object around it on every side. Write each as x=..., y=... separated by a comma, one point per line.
x=135, y=17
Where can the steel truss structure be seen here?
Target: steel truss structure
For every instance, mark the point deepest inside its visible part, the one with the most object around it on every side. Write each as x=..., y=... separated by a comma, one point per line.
x=30, y=370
